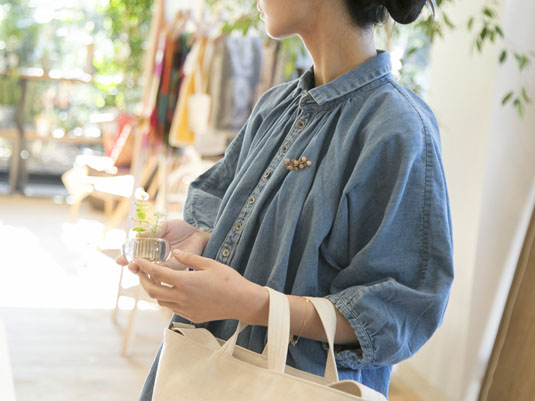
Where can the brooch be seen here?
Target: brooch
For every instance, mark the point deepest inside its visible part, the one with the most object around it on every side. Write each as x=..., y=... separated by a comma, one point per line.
x=298, y=164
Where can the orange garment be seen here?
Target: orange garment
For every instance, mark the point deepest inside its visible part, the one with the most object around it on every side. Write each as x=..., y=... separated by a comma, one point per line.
x=180, y=134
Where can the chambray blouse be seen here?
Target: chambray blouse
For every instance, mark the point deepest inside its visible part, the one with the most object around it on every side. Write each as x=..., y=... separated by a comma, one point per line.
x=366, y=225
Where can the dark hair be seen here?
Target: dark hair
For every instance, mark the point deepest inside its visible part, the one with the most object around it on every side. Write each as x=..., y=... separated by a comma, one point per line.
x=370, y=12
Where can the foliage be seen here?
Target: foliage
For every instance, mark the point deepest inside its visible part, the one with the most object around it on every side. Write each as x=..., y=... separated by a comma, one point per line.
x=9, y=90
x=242, y=17
x=486, y=27
x=127, y=24
x=414, y=40
x=142, y=224
x=18, y=33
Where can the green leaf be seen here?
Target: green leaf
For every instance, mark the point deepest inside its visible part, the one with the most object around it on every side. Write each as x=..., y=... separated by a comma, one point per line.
x=142, y=215
x=447, y=21
x=470, y=23
x=411, y=51
x=503, y=56
x=525, y=95
x=523, y=62
x=498, y=30
x=139, y=229
x=507, y=97
x=519, y=107
x=489, y=12
x=484, y=33
x=478, y=45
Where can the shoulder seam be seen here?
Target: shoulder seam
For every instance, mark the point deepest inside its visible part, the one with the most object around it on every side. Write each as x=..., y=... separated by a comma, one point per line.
x=424, y=251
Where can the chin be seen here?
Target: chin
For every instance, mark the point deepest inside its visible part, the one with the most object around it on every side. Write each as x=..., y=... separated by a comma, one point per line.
x=278, y=32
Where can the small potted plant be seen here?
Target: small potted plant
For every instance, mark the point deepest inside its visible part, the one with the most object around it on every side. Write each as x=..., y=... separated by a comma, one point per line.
x=145, y=244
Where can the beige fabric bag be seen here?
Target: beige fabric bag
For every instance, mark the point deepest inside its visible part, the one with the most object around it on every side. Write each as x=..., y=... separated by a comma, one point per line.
x=194, y=365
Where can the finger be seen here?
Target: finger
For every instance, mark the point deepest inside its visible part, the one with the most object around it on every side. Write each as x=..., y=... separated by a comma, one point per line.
x=121, y=260
x=157, y=272
x=156, y=291
x=191, y=260
x=133, y=267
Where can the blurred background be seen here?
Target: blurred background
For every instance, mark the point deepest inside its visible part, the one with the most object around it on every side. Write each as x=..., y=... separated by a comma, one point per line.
x=105, y=98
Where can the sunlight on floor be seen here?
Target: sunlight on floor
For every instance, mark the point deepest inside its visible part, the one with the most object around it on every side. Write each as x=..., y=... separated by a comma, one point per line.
x=47, y=263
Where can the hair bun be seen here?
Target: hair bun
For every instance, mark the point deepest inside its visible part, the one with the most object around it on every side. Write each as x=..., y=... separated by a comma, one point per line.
x=404, y=11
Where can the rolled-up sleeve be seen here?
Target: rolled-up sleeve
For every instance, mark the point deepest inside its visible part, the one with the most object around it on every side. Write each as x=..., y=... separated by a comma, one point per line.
x=206, y=191
x=395, y=287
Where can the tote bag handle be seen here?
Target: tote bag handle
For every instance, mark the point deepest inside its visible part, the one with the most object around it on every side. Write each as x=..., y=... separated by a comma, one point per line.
x=279, y=332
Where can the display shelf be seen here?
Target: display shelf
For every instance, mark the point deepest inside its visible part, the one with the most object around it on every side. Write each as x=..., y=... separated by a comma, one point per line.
x=20, y=174
x=9, y=133
x=57, y=76
x=31, y=135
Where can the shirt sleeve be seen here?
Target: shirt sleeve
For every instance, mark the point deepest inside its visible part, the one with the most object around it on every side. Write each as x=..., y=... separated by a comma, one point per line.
x=395, y=215
x=206, y=191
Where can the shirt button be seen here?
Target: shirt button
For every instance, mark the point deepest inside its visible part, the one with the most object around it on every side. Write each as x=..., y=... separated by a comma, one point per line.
x=251, y=200
x=225, y=252
x=284, y=149
x=300, y=124
x=238, y=226
x=267, y=174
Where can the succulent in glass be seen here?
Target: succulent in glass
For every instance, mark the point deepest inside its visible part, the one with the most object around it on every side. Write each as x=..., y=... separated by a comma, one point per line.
x=145, y=244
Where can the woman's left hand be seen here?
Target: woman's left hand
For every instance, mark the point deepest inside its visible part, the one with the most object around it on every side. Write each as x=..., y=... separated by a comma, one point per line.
x=212, y=291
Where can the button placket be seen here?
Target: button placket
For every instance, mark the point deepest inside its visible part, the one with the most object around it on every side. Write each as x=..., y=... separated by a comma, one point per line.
x=234, y=235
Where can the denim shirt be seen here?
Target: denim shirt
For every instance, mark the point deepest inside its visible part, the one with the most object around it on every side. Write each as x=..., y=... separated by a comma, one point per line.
x=366, y=225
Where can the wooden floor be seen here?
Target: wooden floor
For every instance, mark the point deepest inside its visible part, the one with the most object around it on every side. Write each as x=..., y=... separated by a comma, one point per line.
x=55, y=302
x=67, y=355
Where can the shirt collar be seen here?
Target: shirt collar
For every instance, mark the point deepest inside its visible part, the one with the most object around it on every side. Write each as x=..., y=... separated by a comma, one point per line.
x=371, y=70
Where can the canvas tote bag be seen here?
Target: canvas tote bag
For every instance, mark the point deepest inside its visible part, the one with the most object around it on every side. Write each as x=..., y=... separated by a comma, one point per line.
x=194, y=365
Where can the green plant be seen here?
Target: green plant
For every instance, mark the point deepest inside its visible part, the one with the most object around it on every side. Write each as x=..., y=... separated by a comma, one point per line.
x=415, y=40
x=9, y=89
x=242, y=17
x=142, y=224
x=488, y=30
x=18, y=33
x=127, y=24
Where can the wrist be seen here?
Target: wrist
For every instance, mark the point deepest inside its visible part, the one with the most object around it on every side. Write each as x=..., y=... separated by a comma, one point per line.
x=253, y=305
x=204, y=236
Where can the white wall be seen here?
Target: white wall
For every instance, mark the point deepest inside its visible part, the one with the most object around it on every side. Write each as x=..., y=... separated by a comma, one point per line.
x=507, y=202
x=489, y=156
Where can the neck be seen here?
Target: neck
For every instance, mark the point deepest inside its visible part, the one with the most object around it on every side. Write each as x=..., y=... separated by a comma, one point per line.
x=336, y=51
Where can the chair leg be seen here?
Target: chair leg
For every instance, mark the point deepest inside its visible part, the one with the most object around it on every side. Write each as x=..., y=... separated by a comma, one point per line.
x=114, y=313
x=74, y=211
x=108, y=208
x=129, y=333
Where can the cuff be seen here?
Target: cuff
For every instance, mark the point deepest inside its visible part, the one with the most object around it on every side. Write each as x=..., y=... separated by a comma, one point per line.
x=362, y=355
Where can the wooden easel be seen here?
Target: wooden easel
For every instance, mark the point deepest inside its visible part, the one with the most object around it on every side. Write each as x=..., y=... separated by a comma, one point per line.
x=141, y=164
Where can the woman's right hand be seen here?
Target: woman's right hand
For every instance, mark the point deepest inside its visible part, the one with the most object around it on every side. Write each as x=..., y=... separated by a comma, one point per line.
x=180, y=235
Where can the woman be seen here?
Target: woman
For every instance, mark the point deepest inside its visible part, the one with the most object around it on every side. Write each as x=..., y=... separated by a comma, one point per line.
x=333, y=188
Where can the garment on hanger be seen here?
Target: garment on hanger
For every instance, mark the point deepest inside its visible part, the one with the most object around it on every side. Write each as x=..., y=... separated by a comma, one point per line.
x=180, y=133
x=270, y=50
x=234, y=77
x=170, y=71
